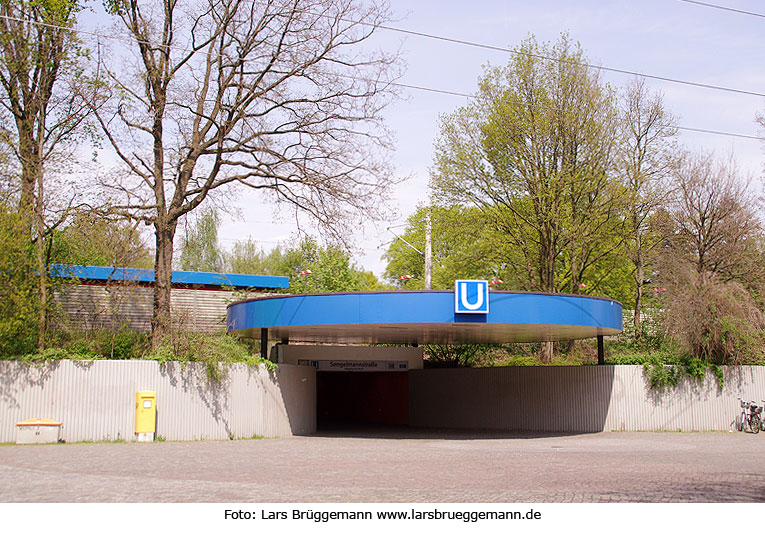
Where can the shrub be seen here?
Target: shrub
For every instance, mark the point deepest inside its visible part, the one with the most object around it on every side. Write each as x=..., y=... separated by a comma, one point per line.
x=716, y=321
x=216, y=351
x=667, y=372
x=443, y=356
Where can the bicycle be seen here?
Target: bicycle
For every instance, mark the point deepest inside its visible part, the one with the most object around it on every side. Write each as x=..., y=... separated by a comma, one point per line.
x=750, y=416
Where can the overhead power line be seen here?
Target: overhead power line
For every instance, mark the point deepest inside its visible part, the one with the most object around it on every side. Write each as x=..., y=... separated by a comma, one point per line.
x=466, y=95
x=724, y=8
x=581, y=64
x=74, y=30
x=487, y=47
x=495, y=48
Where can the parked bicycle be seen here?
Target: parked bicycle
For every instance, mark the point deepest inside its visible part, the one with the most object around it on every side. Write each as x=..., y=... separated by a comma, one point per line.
x=751, y=416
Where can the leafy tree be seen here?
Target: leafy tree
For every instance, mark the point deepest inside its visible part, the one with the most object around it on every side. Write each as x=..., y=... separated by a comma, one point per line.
x=464, y=246
x=276, y=96
x=38, y=67
x=533, y=153
x=41, y=111
x=18, y=288
x=199, y=248
x=646, y=158
x=92, y=240
x=246, y=257
x=331, y=267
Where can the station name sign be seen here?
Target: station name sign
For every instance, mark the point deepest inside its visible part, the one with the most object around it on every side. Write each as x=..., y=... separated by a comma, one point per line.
x=356, y=365
x=471, y=296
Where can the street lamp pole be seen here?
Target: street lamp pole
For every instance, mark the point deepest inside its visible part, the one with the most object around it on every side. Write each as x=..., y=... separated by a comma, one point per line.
x=428, y=252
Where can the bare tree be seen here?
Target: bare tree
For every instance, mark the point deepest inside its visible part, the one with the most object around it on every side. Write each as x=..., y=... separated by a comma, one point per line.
x=711, y=262
x=275, y=95
x=645, y=161
x=716, y=216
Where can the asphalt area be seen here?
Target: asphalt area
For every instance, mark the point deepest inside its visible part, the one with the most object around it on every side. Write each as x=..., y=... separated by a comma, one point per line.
x=396, y=464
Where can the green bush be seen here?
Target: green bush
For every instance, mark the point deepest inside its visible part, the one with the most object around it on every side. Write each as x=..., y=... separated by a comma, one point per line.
x=216, y=350
x=446, y=356
x=101, y=343
x=663, y=373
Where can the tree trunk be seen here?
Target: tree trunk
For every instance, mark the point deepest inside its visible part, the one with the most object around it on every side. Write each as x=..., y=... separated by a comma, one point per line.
x=42, y=269
x=35, y=168
x=546, y=351
x=547, y=348
x=161, y=321
x=30, y=169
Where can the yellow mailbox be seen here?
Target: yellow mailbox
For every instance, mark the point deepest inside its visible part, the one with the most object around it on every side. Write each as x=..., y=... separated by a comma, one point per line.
x=146, y=413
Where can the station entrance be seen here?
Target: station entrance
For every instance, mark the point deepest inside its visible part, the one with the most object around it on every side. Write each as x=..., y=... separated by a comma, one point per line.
x=365, y=347
x=357, y=386
x=348, y=398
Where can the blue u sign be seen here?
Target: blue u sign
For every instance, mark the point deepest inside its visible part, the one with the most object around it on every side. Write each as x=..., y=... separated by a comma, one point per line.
x=471, y=296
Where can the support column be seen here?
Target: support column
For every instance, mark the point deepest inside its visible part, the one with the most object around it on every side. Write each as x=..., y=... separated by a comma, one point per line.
x=601, y=351
x=264, y=343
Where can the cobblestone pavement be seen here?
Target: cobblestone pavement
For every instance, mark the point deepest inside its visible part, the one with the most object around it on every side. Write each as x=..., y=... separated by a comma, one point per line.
x=396, y=466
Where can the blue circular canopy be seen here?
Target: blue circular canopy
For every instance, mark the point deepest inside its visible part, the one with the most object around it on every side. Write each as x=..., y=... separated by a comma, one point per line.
x=425, y=317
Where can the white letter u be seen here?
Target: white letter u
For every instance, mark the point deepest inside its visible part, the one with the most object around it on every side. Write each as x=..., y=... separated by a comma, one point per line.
x=464, y=299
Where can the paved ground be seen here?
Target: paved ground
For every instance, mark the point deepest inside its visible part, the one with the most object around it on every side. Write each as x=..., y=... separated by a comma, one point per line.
x=381, y=465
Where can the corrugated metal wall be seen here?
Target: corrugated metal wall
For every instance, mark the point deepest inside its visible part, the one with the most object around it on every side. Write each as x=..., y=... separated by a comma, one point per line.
x=92, y=306
x=576, y=399
x=96, y=400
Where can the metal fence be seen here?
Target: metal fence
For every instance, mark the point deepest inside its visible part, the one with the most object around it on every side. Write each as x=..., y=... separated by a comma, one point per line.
x=130, y=306
x=577, y=399
x=95, y=400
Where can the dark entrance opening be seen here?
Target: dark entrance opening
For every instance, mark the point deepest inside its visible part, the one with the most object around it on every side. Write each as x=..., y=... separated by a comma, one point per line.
x=347, y=398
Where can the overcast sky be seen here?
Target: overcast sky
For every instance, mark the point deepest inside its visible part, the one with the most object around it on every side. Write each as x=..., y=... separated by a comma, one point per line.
x=665, y=38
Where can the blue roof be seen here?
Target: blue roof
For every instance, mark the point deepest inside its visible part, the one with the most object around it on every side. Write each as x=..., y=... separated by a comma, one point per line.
x=425, y=317
x=146, y=276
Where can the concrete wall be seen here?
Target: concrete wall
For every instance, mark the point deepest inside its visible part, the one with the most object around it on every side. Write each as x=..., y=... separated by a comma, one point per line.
x=95, y=400
x=576, y=399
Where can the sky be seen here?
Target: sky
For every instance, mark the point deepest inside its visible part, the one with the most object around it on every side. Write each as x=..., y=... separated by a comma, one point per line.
x=666, y=38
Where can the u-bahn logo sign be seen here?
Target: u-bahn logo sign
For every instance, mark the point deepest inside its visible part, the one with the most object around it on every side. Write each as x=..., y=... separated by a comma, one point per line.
x=471, y=296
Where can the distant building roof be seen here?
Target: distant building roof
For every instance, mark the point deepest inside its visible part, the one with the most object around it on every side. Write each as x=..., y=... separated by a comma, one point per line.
x=93, y=274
